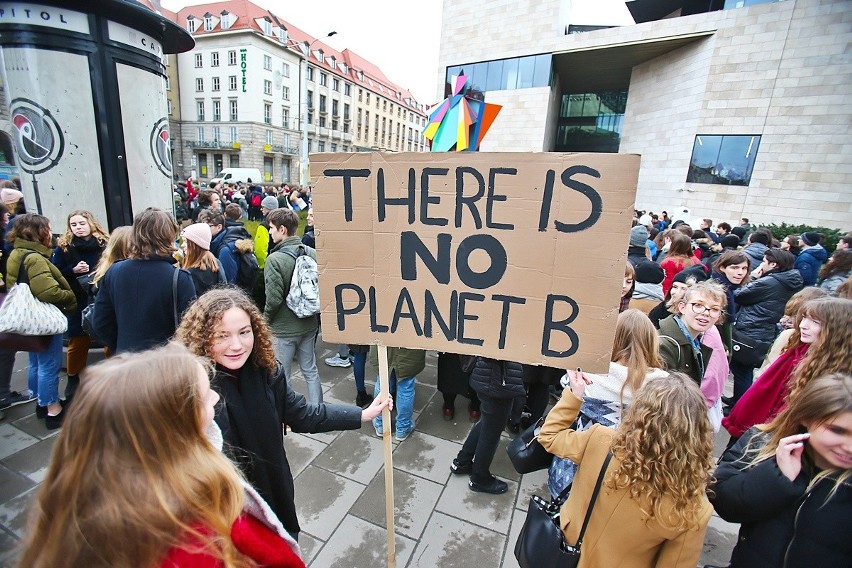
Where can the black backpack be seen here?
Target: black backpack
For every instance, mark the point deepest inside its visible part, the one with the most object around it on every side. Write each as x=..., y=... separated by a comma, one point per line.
x=247, y=268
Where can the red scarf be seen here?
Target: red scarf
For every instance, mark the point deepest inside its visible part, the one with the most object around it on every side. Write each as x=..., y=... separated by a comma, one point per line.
x=765, y=399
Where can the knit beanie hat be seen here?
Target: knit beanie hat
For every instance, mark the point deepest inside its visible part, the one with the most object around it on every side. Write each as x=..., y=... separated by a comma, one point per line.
x=811, y=238
x=638, y=236
x=729, y=242
x=697, y=271
x=200, y=234
x=740, y=232
x=9, y=195
x=269, y=202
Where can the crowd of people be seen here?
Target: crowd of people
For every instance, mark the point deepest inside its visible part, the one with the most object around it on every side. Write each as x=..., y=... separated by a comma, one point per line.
x=184, y=421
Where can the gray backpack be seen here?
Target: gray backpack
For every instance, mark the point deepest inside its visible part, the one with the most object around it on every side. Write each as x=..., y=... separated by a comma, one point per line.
x=303, y=297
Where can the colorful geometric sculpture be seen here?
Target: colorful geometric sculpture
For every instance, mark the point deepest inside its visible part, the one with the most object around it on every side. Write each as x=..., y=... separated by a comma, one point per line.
x=460, y=123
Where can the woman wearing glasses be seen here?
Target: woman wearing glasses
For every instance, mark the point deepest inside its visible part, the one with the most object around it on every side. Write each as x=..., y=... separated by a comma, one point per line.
x=681, y=348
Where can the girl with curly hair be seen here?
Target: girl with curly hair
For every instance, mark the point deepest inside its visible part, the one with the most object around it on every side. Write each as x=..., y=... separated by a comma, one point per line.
x=652, y=509
x=789, y=482
x=819, y=346
x=135, y=480
x=835, y=271
x=225, y=326
x=76, y=256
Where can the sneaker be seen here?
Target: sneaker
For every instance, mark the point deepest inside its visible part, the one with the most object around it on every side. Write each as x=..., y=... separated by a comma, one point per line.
x=400, y=437
x=15, y=398
x=338, y=361
x=379, y=430
x=461, y=468
x=493, y=486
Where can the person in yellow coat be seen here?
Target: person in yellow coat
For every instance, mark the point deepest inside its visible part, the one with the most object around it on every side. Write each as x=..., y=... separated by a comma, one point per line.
x=652, y=510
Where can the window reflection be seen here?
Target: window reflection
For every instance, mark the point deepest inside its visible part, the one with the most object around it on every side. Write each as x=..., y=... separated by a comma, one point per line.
x=726, y=160
x=591, y=122
x=502, y=75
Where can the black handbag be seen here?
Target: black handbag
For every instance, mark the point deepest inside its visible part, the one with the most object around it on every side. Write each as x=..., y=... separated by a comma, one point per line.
x=541, y=543
x=746, y=351
x=526, y=454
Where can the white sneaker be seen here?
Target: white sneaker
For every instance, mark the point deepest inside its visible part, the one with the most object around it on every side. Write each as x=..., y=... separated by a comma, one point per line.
x=338, y=361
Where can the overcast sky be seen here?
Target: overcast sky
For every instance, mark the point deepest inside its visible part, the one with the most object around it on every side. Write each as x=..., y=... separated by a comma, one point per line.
x=401, y=38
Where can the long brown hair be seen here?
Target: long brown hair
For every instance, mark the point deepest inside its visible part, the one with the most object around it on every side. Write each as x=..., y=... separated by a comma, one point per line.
x=132, y=472
x=681, y=247
x=665, y=448
x=117, y=248
x=832, y=350
x=99, y=233
x=154, y=234
x=31, y=227
x=637, y=347
x=197, y=257
x=196, y=327
x=839, y=263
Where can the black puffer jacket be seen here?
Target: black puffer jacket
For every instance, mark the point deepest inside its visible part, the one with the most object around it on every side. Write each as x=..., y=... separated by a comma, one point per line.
x=760, y=303
x=784, y=524
x=497, y=379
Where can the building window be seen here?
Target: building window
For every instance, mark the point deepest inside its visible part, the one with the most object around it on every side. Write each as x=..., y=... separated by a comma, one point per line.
x=285, y=69
x=267, y=27
x=310, y=100
x=190, y=25
x=345, y=111
x=269, y=137
x=345, y=148
x=285, y=117
x=217, y=134
x=232, y=57
x=208, y=24
x=267, y=113
x=267, y=168
x=285, y=170
x=286, y=140
x=591, y=122
x=725, y=160
x=310, y=145
x=267, y=63
x=310, y=73
x=335, y=107
x=333, y=147
x=324, y=79
x=368, y=98
x=214, y=59
x=321, y=146
x=310, y=117
x=168, y=84
x=282, y=34
x=233, y=133
x=199, y=133
x=215, y=85
x=199, y=110
x=502, y=75
x=322, y=121
x=234, y=108
x=322, y=103
x=235, y=161
x=217, y=110
x=202, y=163
x=334, y=123
x=232, y=83
x=199, y=60
x=335, y=85
x=286, y=93
x=169, y=106
x=267, y=87
x=199, y=85
x=347, y=89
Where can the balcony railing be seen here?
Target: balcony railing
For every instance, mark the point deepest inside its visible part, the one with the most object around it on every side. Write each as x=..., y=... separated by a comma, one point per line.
x=212, y=144
x=280, y=149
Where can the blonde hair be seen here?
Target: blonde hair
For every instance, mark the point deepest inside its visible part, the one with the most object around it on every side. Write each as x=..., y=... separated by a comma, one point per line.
x=664, y=445
x=709, y=288
x=99, y=233
x=197, y=257
x=199, y=320
x=133, y=474
x=117, y=248
x=637, y=347
x=819, y=401
x=832, y=350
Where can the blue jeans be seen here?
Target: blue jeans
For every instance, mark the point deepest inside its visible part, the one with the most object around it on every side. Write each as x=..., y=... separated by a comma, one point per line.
x=302, y=349
x=404, y=402
x=359, y=369
x=43, y=374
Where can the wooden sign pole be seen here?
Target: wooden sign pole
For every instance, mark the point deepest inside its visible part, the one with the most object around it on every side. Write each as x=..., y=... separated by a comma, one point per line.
x=384, y=379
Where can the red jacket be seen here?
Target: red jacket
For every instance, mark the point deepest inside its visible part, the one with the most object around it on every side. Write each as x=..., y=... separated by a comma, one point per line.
x=251, y=537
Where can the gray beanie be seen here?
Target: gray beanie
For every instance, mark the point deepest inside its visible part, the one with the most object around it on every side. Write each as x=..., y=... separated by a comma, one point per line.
x=638, y=236
x=269, y=202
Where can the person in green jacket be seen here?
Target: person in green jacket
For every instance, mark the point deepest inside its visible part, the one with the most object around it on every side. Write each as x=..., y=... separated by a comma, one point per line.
x=295, y=337
x=32, y=239
x=403, y=366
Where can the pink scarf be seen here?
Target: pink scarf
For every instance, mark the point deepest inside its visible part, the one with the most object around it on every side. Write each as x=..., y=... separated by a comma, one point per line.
x=765, y=398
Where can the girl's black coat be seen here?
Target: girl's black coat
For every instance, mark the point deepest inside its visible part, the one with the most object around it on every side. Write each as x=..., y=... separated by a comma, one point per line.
x=784, y=524
x=498, y=379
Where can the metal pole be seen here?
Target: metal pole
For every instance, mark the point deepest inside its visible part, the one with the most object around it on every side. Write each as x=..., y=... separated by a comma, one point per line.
x=303, y=102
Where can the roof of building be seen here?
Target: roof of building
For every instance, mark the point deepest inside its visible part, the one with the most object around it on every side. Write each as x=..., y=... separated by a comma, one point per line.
x=248, y=16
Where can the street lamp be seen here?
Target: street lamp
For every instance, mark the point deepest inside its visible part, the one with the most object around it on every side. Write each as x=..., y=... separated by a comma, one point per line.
x=303, y=96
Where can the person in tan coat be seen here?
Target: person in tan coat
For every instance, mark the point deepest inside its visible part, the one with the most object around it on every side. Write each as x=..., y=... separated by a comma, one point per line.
x=652, y=510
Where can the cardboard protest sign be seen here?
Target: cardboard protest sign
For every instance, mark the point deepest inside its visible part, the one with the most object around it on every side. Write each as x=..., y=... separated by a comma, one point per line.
x=515, y=256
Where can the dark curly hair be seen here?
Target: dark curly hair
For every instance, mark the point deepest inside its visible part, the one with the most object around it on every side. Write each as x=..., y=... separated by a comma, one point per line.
x=196, y=327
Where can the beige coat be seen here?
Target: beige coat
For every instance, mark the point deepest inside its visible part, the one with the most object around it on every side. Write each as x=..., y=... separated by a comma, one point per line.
x=619, y=534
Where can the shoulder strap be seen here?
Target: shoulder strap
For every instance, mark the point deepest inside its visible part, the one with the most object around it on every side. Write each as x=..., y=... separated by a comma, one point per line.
x=174, y=296
x=594, y=498
x=676, y=344
x=23, y=277
x=221, y=272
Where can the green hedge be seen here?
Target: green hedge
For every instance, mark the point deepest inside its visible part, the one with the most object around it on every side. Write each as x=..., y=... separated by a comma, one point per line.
x=832, y=236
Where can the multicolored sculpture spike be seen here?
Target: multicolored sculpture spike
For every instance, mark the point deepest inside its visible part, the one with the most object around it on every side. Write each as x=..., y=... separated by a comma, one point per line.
x=459, y=123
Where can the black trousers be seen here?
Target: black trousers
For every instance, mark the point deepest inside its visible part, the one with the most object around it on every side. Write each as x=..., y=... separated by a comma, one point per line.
x=481, y=443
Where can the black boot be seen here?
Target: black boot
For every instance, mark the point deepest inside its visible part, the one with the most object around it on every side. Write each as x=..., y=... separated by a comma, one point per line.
x=71, y=387
x=362, y=399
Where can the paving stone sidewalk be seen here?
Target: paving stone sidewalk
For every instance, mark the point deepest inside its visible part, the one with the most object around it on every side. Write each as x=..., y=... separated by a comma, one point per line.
x=339, y=478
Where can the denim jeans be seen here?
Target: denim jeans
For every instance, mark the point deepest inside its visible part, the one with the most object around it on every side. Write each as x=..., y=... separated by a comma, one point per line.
x=43, y=374
x=404, y=402
x=359, y=369
x=302, y=349
x=483, y=439
x=743, y=379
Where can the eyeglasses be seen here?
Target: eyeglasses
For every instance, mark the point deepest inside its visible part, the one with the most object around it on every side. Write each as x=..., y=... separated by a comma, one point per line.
x=698, y=309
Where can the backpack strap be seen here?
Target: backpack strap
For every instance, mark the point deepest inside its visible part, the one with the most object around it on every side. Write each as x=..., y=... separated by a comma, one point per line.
x=676, y=344
x=174, y=297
